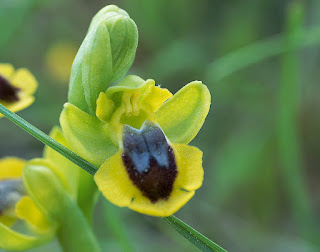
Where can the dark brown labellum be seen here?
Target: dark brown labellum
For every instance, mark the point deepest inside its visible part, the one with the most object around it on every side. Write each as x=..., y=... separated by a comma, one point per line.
x=149, y=160
x=8, y=93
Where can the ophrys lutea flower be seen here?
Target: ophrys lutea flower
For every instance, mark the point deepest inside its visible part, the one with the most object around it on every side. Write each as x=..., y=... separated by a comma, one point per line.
x=16, y=88
x=45, y=193
x=139, y=139
x=17, y=206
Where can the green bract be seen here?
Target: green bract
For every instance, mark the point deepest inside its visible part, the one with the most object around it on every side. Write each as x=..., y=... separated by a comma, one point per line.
x=105, y=56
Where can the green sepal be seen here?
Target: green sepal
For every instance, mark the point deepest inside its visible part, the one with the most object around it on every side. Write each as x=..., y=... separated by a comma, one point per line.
x=49, y=193
x=105, y=56
x=182, y=116
x=81, y=184
x=128, y=83
x=96, y=64
x=87, y=135
x=109, y=8
x=45, y=188
x=12, y=240
x=75, y=233
x=68, y=171
x=76, y=92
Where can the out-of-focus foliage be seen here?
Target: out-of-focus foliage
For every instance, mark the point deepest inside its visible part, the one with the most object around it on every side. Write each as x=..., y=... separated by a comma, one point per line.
x=260, y=140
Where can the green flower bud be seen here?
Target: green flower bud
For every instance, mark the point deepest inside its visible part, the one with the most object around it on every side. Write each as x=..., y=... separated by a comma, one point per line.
x=105, y=56
x=48, y=191
x=46, y=188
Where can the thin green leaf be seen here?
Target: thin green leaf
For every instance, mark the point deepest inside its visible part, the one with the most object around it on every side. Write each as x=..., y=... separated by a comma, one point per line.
x=48, y=140
x=196, y=238
x=76, y=233
x=237, y=162
x=116, y=225
x=259, y=51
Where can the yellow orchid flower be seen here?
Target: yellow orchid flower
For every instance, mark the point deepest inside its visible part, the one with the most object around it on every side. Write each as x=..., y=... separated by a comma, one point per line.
x=16, y=204
x=16, y=87
x=139, y=139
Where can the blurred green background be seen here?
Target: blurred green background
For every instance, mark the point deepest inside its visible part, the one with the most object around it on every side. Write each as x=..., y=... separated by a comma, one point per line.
x=260, y=60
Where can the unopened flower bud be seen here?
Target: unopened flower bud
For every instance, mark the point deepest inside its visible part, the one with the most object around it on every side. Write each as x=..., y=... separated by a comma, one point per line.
x=45, y=187
x=105, y=56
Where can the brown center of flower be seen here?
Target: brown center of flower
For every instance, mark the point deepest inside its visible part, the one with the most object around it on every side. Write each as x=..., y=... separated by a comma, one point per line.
x=8, y=93
x=149, y=161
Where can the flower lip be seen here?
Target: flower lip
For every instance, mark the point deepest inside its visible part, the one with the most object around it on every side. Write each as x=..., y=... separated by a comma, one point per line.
x=149, y=160
x=11, y=190
x=8, y=93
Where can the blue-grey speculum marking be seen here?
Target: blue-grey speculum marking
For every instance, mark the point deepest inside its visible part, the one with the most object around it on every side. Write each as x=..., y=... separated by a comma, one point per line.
x=11, y=190
x=149, y=160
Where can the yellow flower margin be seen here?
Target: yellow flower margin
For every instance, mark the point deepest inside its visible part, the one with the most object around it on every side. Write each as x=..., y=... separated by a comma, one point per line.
x=24, y=81
x=114, y=183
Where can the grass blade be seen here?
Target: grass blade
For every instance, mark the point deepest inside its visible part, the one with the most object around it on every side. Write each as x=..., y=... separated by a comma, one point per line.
x=44, y=138
x=196, y=238
x=259, y=51
x=287, y=128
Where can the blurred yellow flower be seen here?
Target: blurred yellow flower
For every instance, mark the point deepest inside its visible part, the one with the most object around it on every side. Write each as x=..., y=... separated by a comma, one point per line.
x=59, y=60
x=16, y=87
x=15, y=204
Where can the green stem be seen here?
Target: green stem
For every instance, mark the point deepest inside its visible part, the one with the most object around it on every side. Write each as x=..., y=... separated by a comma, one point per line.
x=192, y=235
x=75, y=233
x=287, y=128
x=113, y=220
x=44, y=138
x=188, y=232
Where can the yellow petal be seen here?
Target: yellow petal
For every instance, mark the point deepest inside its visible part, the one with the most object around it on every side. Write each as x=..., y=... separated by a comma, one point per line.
x=182, y=116
x=11, y=167
x=24, y=102
x=155, y=97
x=130, y=84
x=189, y=163
x=28, y=211
x=105, y=107
x=24, y=80
x=114, y=183
x=6, y=70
